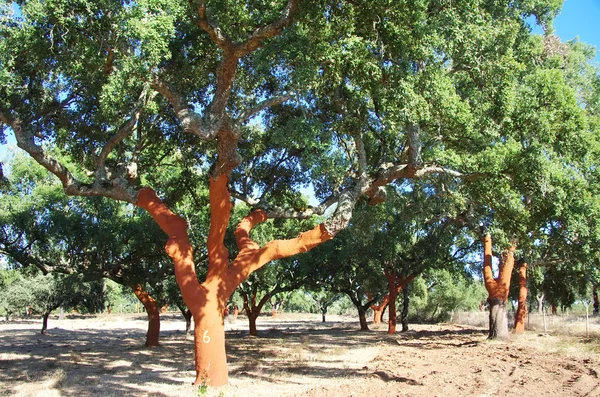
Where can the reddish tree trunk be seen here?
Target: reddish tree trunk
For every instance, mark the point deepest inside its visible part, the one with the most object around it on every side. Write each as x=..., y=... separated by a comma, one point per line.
x=153, y=315
x=497, y=288
x=208, y=300
x=378, y=309
x=522, y=308
x=395, y=284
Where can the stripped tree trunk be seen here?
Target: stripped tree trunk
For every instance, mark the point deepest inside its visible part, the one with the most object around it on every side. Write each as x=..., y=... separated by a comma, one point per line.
x=497, y=288
x=522, y=307
x=396, y=283
x=393, y=293
x=378, y=309
x=207, y=300
x=153, y=315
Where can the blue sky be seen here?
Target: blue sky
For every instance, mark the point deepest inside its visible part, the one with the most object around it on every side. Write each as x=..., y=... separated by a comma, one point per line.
x=580, y=18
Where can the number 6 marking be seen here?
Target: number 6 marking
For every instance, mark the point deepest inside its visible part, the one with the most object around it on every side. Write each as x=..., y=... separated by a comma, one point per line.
x=206, y=338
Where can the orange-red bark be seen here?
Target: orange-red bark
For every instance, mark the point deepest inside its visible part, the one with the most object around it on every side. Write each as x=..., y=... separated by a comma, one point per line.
x=207, y=301
x=522, y=307
x=378, y=309
x=395, y=284
x=497, y=288
x=153, y=315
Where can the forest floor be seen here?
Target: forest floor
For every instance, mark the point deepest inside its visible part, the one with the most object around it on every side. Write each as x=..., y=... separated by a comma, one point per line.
x=294, y=355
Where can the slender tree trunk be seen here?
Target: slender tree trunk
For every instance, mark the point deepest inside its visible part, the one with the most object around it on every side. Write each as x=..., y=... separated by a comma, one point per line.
x=405, y=303
x=497, y=288
x=151, y=307
x=188, y=321
x=392, y=312
x=540, y=300
x=252, y=324
x=207, y=301
x=362, y=317
x=323, y=313
x=522, y=307
x=45, y=322
x=253, y=309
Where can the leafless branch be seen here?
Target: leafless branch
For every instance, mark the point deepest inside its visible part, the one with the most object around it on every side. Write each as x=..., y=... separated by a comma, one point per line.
x=126, y=129
x=286, y=213
x=263, y=105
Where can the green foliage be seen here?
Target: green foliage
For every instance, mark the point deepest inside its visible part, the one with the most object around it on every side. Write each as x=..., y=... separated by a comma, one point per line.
x=43, y=294
x=440, y=292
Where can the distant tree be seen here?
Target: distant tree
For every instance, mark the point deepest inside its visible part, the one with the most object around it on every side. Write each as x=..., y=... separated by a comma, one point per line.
x=44, y=294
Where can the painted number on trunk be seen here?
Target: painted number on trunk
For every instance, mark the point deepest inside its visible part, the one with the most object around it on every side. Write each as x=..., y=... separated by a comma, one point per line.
x=206, y=338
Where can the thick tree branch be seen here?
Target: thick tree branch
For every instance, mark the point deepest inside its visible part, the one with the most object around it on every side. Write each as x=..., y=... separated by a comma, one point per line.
x=266, y=32
x=286, y=213
x=210, y=26
x=251, y=257
x=117, y=188
x=220, y=210
x=191, y=121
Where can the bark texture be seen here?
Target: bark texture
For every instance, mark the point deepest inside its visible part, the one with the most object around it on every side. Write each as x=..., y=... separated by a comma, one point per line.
x=497, y=288
x=522, y=307
x=151, y=307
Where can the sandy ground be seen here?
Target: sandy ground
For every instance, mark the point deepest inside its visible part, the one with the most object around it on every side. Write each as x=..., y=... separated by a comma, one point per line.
x=294, y=355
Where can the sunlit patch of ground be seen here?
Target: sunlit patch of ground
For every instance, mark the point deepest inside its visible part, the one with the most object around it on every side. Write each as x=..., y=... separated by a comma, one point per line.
x=294, y=355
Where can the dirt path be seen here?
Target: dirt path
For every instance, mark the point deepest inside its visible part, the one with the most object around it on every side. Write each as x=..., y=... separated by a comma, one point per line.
x=294, y=356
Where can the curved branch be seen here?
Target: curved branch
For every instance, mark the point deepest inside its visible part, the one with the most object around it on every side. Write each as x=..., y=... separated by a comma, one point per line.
x=116, y=188
x=266, y=32
x=191, y=121
x=211, y=26
x=126, y=130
